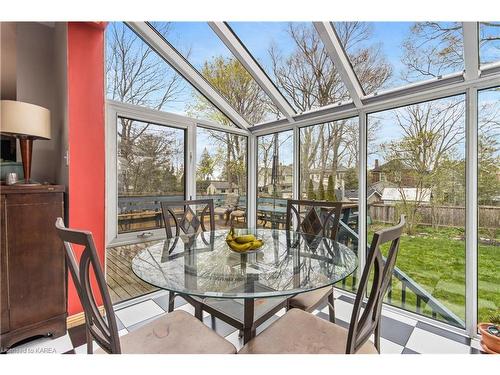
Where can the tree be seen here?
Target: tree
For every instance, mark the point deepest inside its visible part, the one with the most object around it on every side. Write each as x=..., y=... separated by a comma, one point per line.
x=309, y=79
x=431, y=133
x=310, y=191
x=231, y=79
x=206, y=166
x=351, y=178
x=330, y=190
x=136, y=75
x=321, y=191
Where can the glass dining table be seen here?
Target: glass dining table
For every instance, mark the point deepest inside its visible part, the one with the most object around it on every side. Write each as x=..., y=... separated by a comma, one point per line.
x=203, y=265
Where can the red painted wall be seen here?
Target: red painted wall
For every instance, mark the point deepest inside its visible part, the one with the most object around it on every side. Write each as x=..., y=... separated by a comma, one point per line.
x=86, y=136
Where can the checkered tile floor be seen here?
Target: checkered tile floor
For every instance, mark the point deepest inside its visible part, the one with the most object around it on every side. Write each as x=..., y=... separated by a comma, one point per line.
x=400, y=334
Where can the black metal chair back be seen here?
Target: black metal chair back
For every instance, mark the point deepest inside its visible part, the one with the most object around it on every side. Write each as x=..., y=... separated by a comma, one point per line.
x=320, y=218
x=104, y=332
x=185, y=218
x=363, y=325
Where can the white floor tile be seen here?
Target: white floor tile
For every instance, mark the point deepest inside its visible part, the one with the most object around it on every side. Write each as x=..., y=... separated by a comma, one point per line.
x=343, y=310
x=281, y=312
x=46, y=345
x=476, y=344
x=139, y=312
x=234, y=339
x=429, y=343
x=389, y=347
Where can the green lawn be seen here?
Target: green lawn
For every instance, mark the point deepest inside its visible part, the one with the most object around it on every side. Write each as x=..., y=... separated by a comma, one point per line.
x=435, y=258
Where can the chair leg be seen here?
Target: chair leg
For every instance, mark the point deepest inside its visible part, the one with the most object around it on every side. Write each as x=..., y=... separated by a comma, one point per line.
x=377, y=337
x=90, y=349
x=171, y=300
x=212, y=318
x=331, y=307
x=198, y=312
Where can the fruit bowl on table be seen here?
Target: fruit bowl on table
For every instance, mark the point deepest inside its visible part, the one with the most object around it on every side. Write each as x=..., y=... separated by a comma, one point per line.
x=244, y=244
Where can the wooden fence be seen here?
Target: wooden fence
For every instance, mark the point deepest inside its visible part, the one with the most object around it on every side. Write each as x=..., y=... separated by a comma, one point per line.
x=452, y=216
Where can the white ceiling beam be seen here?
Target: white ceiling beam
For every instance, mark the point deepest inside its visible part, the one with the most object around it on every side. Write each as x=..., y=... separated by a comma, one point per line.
x=185, y=69
x=237, y=48
x=341, y=61
x=471, y=50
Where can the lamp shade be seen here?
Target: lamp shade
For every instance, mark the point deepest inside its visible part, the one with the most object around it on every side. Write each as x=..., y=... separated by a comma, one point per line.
x=24, y=119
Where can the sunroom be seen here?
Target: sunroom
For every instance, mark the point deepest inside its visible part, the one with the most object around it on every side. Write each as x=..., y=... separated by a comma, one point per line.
x=314, y=141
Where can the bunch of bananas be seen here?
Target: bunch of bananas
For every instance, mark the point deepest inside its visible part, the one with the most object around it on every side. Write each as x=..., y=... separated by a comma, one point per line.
x=244, y=243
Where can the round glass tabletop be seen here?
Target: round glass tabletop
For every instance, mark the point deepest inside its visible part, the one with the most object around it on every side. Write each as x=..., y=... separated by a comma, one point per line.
x=203, y=265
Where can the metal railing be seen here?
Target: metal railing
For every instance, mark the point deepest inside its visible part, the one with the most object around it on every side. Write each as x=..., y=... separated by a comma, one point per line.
x=408, y=285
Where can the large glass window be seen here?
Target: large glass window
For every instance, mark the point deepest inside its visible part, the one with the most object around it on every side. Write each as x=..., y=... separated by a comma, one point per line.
x=221, y=174
x=293, y=55
x=329, y=165
x=386, y=55
x=416, y=167
x=150, y=168
x=135, y=74
x=489, y=203
x=274, y=178
x=199, y=44
x=489, y=42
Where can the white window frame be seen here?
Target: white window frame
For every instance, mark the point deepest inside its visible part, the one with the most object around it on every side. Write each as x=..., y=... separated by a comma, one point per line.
x=189, y=125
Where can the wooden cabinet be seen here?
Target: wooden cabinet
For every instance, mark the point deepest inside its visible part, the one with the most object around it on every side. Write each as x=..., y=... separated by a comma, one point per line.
x=32, y=264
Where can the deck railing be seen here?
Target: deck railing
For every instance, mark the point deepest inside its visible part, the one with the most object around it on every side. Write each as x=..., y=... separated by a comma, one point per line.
x=408, y=285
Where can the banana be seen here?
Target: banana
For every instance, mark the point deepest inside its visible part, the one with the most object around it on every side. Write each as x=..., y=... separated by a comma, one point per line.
x=239, y=247
x=256, y=244
x=230, y=235
x=245, y=239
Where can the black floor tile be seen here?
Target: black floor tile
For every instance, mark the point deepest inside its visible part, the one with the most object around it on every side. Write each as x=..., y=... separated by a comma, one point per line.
x=346, y=299
x=221, y=327
x=395, y=331
x=408, y=351
x=444, y=333
x=72, y=351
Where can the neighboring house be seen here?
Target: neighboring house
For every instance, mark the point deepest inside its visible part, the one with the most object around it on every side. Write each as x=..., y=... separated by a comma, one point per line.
x=373, y=196
x=221, y=187
x=394, y=195
x=393, y=170
x=283, y=183
x=315, y=175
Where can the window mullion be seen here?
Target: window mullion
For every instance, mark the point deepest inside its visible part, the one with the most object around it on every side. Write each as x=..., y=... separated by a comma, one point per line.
x=471, y=256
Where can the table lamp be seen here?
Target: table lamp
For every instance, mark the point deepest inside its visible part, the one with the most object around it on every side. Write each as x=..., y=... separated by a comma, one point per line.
x=25, y=122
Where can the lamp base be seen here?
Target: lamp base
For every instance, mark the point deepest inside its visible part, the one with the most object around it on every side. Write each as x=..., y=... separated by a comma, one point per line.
x=27, y=183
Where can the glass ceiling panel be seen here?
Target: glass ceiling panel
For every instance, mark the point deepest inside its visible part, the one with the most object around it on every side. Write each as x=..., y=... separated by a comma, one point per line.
x=293, y=56
x=387, y=55
x=137, y=75
x=199, y=44
x=489, y=42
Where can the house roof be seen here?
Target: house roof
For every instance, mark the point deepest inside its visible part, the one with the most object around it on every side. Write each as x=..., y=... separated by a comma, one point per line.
x=408, y=194
x=352, y=194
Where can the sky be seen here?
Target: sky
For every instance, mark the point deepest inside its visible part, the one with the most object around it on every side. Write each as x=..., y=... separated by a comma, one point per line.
x=202, y=44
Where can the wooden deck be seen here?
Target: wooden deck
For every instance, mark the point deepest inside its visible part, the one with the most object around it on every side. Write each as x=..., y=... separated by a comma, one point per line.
x=122, y=282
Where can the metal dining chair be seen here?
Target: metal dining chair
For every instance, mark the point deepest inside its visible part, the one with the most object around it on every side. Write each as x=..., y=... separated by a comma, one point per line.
x=175, y=333
x=182, y=217
x=320, y=218
x=299, y=332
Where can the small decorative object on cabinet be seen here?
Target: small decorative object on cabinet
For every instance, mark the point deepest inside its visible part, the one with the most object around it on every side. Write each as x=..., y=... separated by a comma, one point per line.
x=32, y=264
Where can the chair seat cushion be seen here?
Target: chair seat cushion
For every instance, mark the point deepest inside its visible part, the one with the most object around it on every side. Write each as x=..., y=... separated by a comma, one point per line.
x=238, y=213
x=310, y=300
x=175, y=333
x=220, y=210
x=299, y=332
